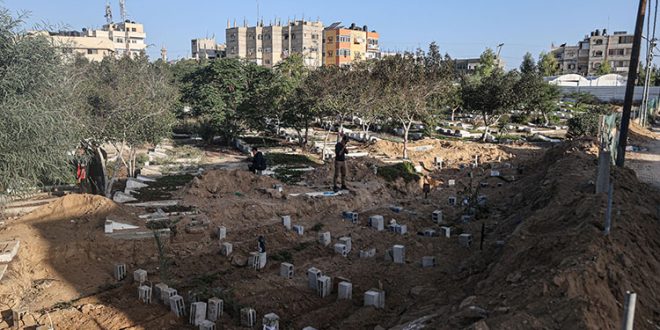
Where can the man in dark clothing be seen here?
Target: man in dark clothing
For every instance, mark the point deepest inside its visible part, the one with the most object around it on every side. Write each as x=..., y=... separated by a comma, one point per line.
x=258, y=161
x=340, y=163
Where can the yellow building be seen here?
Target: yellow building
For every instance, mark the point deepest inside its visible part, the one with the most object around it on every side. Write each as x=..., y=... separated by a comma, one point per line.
x=342, y=46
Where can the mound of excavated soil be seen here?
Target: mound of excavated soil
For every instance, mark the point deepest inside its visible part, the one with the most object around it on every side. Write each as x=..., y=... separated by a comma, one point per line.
x=73, y=206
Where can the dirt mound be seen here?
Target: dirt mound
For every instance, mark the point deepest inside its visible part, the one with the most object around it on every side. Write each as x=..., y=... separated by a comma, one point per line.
x=641, y=136
x=229, y=182
x=452, y=153
x=73, y=206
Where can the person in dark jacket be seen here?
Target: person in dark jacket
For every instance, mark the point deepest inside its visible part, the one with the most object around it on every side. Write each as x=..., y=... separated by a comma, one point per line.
x=340, y=163
x=258, y=161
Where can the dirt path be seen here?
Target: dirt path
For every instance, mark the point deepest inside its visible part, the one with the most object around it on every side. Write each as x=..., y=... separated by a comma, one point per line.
x=647, y=163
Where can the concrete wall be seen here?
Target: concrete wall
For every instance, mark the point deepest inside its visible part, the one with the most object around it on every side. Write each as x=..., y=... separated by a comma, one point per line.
x=612, y=93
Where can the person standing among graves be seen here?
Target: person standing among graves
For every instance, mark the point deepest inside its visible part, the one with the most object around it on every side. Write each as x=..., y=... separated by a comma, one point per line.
x=340, y=163
x=258, y=161
x=261, y=248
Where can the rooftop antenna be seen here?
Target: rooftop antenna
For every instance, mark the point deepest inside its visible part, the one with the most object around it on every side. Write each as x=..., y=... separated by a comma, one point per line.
x=122, y=10
x=108, y=12
x=257, y=12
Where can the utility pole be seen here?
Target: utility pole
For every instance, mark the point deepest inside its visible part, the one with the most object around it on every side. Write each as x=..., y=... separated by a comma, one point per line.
x=630, y=87
x=499, y=50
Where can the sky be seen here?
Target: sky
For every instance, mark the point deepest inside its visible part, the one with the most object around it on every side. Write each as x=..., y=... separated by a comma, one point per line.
x=462, y=28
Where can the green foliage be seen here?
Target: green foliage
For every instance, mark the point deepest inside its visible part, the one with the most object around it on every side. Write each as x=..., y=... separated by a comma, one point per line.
x=487, y=63
x=583, y=124
x=288, y=159
x=282, y=256
x=490, y=96
x=548, y=64
x=404, y=170
x=528, y=66
x=40, y=119
x=318, y=227
x=301, y=246
x=604, y=68
x=536, y=95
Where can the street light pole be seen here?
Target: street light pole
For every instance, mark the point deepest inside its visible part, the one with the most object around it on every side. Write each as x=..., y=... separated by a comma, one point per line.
x=630, y=87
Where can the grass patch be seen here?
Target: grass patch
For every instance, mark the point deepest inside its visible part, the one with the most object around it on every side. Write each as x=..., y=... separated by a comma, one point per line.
x=261, y=142
x=288, y=175
x=402, y=170
x=302, y=246
x=283, y=256
x=162, y=188
x=288, y=159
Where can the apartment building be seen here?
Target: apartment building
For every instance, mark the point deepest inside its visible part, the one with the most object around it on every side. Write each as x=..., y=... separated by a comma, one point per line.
x=113, y=39
x=344, y=45
x=269, y=45
x=207, y=48
x=470, y=65
x=588, y=55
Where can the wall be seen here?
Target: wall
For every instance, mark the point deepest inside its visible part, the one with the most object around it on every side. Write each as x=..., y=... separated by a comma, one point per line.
x=612, y=93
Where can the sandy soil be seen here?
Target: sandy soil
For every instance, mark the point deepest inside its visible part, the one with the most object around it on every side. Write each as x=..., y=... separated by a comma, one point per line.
x=545, y=263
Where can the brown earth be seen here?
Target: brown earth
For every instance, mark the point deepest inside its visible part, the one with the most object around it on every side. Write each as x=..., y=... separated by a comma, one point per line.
x=545, y=262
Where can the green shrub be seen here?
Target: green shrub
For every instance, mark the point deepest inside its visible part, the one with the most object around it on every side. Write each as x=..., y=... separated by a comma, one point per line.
x=583, y=124
x=404, y=170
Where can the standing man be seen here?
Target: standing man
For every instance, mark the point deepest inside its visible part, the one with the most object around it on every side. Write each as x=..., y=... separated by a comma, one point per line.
x=261, y=248
x=258, y=161
x=340, y=163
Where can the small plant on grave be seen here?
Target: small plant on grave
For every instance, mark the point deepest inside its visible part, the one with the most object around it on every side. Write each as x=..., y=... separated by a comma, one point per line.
x=404, y=170
x=163, y=261
x=317, y=227
x=282, y=256
x=302, y=246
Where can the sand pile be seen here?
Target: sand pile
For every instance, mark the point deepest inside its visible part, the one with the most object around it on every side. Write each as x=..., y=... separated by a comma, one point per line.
x=452, y=152
x=557, y=270
x=73, y=206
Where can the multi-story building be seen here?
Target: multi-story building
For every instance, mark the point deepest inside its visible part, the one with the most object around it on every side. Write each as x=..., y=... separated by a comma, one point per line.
x=269, y=45
x=205, y=48
x=342, y=46
x=113, y=39
x=470, y=65
x=588, y=55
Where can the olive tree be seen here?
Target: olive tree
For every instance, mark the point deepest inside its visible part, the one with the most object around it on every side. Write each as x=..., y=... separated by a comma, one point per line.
x=39, y=121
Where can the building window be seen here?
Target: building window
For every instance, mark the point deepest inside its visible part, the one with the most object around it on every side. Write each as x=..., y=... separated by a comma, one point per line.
x=315, y=36
x=343, y=52
x=120, y=40
x=267, y=36
x=259, y=37
x=343, y=38
x=233, y=35
x=92, y=51
x=293, y=36
x=329, y=53
x=267, y=61
x=134, y=29
x=329, y=39
x=598, y=42
x=259, y=50
x=616, y=52
x=597, y=53
x=626, y=40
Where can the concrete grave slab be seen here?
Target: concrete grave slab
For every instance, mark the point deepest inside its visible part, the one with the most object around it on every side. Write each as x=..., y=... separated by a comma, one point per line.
x=8, y=250
x=121, y=197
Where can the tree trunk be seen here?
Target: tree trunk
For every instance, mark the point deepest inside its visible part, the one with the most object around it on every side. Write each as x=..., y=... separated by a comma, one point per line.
x=453, y=111
x=113, y=178
x=483, y=137
x=406, y=130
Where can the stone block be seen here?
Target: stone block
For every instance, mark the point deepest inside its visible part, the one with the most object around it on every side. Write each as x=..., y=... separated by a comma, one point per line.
x=389, y=254
x=341, y=249
x=351, y=216
x=300, y=230
x=345, y=290
x=3, y=270
x=222, y=232
x=494, y=173
x=120, y=271
x=313, y=275
x=166, y=294
x=253, y=260
x=122, y=197
x=324, y=238
x=451, y=183
x=346, y=241
x=377, y=222
x=445, y=231
x=369, y=253
x=286, y=270
x=428, y=261
x=396, y=209
x=134, y=184
x=158, y=290
x=248, y=317
x=140, y=276
x=207, y=325
x=429, y=233
x=399, y=254
x=324, y=286
x=177, y=306
x=197, y=313
x=286, y=222
x=226, y=249
x=465, y=240
x=214, y=309
x=144, y=294
x=8, y=250
x=375, y=298
x=437, y=216
x=271, y=321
